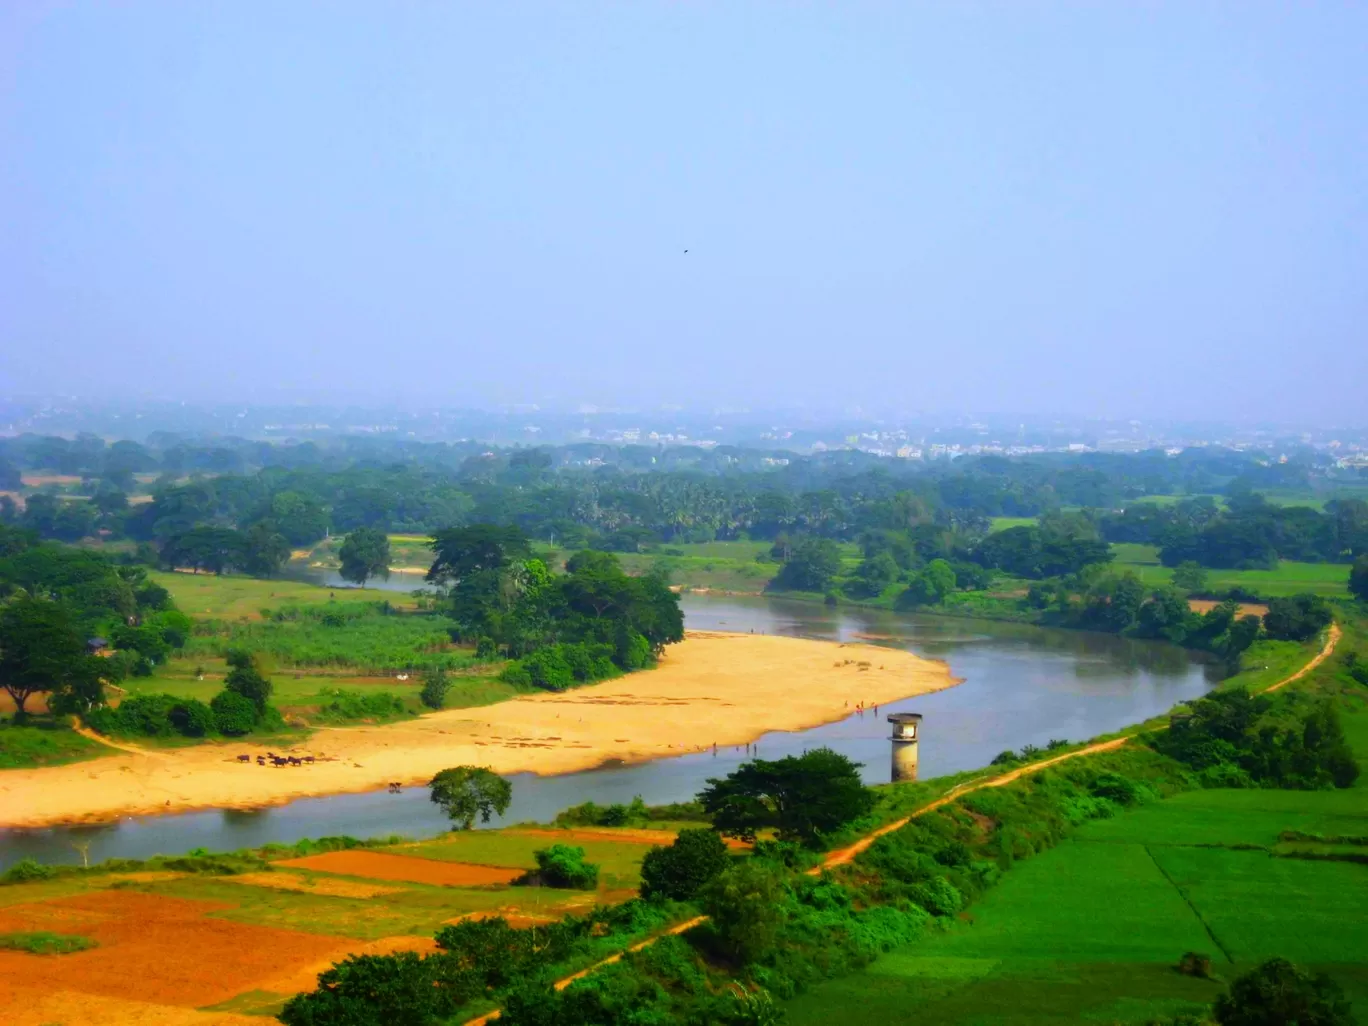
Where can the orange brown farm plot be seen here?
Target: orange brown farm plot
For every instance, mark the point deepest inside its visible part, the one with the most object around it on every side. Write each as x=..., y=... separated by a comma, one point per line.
x=155, y=949
x=380, y=866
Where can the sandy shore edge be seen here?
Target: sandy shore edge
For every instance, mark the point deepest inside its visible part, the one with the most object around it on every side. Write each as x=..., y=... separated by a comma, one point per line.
x=714, y=687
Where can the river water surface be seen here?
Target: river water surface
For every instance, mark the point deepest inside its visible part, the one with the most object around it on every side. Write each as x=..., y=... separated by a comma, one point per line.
x=1022, y=685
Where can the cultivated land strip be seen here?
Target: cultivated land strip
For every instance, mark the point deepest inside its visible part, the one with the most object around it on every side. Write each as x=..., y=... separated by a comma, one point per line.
x=842, y=856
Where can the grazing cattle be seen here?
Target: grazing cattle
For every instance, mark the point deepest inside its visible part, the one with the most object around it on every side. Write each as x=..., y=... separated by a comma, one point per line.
x=261, y=760
x=295, y=761
x=309, y=759
x=244, y=758
x=278, y=761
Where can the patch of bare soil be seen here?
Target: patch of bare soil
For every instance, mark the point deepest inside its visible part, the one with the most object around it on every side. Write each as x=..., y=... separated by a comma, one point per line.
x=1246, y=608
x=166, y=951
x=379, y=866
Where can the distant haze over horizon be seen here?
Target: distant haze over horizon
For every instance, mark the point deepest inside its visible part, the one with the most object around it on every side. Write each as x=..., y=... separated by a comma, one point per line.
x=1119, y=211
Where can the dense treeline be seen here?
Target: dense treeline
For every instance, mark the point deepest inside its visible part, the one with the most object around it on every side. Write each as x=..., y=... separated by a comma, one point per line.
x=589, y=623
x=1250, y=534
x=58, y=605
x=588, y=495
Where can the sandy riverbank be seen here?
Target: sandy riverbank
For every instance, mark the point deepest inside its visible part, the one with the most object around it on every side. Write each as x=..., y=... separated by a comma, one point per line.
x=712, y=688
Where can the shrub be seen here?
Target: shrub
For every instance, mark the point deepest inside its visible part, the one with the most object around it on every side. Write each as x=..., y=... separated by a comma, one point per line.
x=376, y=990
x=679, y=871
x=938, y=896
x=357, y=705
x=1277, y=992
x=44, y=943
x=191, y=718
x=234, y=715
x=1194, y=963
x=244, y=679
x=563, y=865
x=747, y=908
x=1121, y=790
x=26, y=870
x=145, y=715
x=435, y=685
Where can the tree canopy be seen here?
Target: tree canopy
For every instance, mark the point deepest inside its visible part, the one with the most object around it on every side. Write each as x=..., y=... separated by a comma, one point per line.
x=41, y=651
x=465, y=792
x=799, y=796
x=365, y=554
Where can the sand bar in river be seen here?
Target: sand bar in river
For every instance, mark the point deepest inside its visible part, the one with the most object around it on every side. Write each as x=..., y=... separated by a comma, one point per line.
x=711, y=688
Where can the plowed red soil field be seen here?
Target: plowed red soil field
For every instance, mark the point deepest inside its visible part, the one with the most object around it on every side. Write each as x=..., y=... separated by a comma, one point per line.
x=378, y=866
x=153, y=948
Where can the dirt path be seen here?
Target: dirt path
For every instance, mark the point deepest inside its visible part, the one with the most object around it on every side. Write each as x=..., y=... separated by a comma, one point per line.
x=1331, y=640
x=123, y=746
x=843, y=856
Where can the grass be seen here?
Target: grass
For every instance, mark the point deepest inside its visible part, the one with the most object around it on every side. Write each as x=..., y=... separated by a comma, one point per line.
x=1259, y=907
x=243, y=598
x=303, y=694
x=44, y=742
x=1290, y=578
x=41, y=942
x=358, y=635
x=1003, y=523
x=1090, y=929
x=620, y=863
x=413, y=909
x=406, y=550
x=364, y=654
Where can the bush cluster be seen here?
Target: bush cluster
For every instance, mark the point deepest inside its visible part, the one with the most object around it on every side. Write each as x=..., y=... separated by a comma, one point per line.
x=562, y=865
x=1234, y=739
x=339, y=704
x=558, y=667
x=158, y=715
x=636, y=813
x=476, y=960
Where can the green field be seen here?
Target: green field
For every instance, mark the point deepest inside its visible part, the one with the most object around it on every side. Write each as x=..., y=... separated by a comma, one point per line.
x=1002, y=523
x=43, y=743
x=239, y=598
x=1290, y=578
x=620, y=863
x=1090, y=930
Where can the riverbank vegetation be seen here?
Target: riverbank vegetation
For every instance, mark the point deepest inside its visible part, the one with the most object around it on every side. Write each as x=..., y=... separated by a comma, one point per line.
x=1178, y=847
x=774, y=931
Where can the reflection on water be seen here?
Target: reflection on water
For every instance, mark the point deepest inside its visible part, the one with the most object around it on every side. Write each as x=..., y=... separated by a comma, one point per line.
x=1022, y=685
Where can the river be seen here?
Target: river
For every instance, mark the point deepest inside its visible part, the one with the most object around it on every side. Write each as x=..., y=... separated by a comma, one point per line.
x=1022, y=685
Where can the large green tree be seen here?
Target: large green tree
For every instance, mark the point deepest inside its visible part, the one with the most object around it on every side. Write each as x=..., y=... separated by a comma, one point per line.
x=464, y=792
x=798, y=796
x=679, y=871
x=365, y=554
x=1358, y=579
x=1297, y=617
x=1278, y=993
x=41, y=651
x=265, y=550
x=812, y=566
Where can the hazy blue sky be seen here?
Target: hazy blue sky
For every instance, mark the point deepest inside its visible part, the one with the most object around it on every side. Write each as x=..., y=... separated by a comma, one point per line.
x=1125, y=208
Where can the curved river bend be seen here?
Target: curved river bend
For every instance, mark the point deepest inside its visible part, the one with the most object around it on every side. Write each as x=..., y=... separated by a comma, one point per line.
x=1022, y=685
